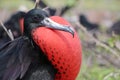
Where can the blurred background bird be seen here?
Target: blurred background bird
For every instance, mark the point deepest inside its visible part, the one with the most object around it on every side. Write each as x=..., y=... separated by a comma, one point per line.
x=14, y=23
x=86, y=23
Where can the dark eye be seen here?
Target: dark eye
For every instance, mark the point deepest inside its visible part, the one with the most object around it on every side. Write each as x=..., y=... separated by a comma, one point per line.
x=37, y=18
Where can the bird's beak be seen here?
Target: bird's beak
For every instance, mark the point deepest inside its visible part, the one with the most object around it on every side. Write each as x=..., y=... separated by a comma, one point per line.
x=53, y=25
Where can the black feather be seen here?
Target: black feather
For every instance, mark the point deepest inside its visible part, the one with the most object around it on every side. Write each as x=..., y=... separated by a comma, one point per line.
x=15, y=59
x=20, y=61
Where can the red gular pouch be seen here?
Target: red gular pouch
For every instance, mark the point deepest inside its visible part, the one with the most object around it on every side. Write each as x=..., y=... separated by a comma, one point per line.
x=21, y=22
x=61, y=48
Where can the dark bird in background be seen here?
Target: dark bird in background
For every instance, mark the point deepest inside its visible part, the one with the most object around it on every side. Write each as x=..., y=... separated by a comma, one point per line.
x=14, y=23
x=87, y=24
x=49, y=49
x=65, y=9
x=115, y=28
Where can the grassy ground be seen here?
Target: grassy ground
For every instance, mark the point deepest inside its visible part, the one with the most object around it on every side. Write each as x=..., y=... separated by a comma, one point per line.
x=89, y=4
x=15, y=4
x=94, y=72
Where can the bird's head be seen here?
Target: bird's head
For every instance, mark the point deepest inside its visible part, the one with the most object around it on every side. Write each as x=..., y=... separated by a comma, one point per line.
x=38, y=18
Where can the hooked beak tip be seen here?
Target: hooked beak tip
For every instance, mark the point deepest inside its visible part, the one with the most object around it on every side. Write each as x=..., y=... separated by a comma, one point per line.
x=71, y=30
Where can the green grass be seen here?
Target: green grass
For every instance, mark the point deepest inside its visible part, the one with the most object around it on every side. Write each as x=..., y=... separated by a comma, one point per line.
x=98, y=73
x=15, y=4
x=102, y=4
x=112, y=5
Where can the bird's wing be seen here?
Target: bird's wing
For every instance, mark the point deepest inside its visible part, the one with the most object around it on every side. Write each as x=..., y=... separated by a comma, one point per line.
x=15, y=59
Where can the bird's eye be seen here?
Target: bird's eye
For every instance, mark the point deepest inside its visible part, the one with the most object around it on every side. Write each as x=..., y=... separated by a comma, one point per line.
x=37, y=18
